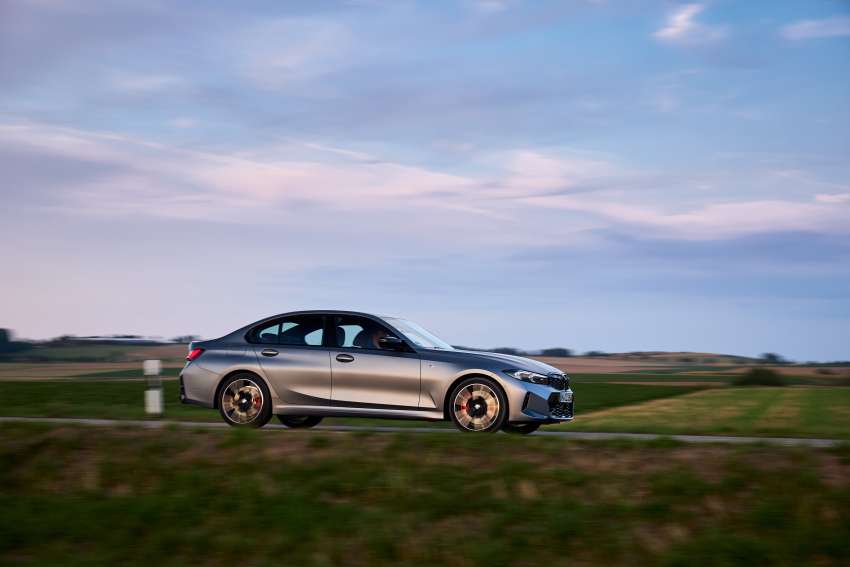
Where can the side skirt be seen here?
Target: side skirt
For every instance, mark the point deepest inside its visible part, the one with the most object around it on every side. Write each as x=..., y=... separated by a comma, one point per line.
x=342, y=411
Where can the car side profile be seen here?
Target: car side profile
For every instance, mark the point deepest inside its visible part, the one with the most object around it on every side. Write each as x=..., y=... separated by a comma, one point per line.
x=307, y=365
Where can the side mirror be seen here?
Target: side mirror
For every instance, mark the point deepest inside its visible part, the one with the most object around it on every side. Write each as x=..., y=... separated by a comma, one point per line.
x=391, y=343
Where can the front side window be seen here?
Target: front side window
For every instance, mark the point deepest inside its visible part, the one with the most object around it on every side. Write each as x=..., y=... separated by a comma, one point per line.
x=359, y=332
x=303, y=330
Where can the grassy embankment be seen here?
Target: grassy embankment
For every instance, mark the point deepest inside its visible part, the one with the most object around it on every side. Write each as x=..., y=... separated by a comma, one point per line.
x=83, y=496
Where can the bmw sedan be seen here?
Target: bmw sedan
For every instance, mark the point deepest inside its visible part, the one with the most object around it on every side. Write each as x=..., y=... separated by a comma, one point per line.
x=307, y=365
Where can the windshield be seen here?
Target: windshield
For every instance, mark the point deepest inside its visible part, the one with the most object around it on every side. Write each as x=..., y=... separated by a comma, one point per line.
x=417, y=335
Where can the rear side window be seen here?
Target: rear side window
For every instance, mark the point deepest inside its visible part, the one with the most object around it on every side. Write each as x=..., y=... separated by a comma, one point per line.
x=304, y=330
x=267, y=334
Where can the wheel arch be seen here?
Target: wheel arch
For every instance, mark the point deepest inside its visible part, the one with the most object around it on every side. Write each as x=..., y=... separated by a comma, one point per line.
x=467, y=376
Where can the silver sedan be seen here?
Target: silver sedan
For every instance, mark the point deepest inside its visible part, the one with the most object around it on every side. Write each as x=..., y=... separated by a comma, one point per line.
x=307, y=365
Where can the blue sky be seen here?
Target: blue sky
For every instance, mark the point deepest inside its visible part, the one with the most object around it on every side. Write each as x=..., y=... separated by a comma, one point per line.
x=611, y=175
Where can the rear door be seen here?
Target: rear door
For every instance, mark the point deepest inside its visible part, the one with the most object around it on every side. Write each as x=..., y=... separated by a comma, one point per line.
x=292, y=354
x=362, y=373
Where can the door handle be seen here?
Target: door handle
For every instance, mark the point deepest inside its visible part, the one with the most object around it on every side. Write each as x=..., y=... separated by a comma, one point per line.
x=269, y=352
x=345, y=358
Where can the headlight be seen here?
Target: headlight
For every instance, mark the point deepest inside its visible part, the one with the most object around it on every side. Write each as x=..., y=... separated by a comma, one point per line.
x=528, y=376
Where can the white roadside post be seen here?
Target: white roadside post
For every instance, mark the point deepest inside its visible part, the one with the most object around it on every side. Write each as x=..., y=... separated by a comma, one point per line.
x=153, y=393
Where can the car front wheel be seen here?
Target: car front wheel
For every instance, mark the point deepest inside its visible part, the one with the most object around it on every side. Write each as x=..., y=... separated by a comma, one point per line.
x=478, y=405
x=244, y=401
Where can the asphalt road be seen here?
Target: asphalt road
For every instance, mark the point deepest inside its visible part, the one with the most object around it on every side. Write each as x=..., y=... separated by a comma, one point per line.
x=161, y=424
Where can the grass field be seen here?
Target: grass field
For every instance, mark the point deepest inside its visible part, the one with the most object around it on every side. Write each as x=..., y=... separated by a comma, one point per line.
x=78, y=496
x=793, y=411
x=124, y=399
x=170, y=371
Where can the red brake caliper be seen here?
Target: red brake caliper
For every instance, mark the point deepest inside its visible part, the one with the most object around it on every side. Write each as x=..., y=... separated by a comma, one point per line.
x=258, y=401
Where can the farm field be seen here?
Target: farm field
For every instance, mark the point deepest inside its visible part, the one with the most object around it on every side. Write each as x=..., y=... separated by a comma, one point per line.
x=791, y=411
x=81, y=496
x=602, y=404
x=122, y=399
x=665, y=393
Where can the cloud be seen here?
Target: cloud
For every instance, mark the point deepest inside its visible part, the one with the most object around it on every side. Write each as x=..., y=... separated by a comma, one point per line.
x=710, y=221
x=165, y=181
x=572, y=190
x=683, y=29
x=527, y=171
x=833, y=198
x=836, y=26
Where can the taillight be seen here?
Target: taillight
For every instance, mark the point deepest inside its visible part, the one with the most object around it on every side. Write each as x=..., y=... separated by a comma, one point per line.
x=194, y=353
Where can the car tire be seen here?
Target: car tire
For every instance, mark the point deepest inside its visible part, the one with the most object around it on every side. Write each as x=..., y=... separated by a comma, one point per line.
x=478, y=405
x=299, y=421
x=244, y=400
x=521, y=428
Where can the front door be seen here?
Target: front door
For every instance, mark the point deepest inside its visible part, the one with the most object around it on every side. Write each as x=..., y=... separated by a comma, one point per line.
x=363, y=373
x=293, y=358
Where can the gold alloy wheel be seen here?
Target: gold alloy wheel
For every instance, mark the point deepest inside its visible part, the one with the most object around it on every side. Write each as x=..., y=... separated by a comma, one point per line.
x=242, y=401
x=476, y=407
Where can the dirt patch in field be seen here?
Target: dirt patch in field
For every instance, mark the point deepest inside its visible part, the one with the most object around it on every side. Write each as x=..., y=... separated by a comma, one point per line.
x=606, y=365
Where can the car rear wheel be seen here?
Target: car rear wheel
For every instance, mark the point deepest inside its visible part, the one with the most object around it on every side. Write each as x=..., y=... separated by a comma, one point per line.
x=520, y=428
x=299, y=421
x=478, y=405
x=244, y=401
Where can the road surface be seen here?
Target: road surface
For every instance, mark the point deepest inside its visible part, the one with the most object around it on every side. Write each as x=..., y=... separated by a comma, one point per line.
x=161, y=424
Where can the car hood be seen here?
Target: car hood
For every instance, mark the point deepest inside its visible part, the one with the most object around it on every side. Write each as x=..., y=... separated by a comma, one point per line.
x=508, y=361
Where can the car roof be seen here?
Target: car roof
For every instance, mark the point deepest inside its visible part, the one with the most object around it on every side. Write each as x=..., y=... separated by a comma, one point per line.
x=322, y=312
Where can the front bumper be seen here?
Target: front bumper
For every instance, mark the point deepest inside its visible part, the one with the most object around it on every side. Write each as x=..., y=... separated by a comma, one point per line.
x=546, y=405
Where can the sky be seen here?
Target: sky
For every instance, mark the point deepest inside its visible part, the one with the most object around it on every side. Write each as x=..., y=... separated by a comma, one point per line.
x=614, y=175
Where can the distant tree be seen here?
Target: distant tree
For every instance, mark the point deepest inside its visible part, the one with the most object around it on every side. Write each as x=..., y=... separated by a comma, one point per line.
x=595, y=353
x=8, y=346
x=185, y=339
x=760, y=377
x=507, y=350
x=557, y=351
x=771, y=358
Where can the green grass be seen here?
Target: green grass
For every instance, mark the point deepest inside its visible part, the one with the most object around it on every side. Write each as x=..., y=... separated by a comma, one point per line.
x=719, y=379
x=78, y=353
x=795, y=411
x=78, y=496
x=171, y=371
x=597, y=396
x=798, y=412
x=96, y=399
x=124, y=400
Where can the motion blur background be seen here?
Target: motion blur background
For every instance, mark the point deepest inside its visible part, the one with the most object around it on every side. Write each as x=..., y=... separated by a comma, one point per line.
x=653, y=196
